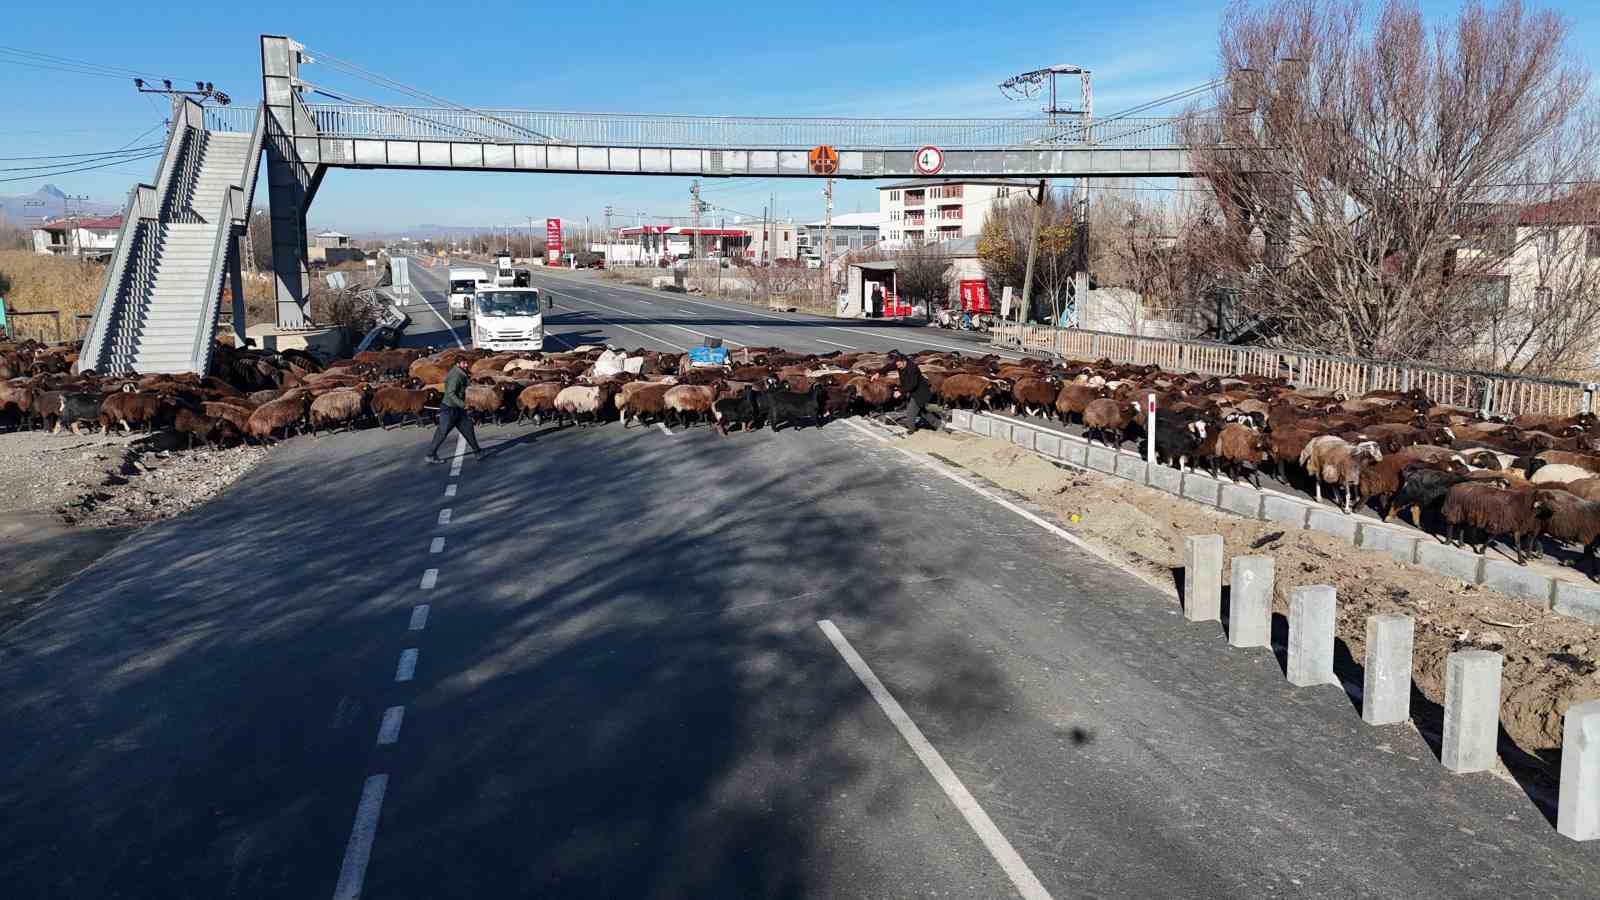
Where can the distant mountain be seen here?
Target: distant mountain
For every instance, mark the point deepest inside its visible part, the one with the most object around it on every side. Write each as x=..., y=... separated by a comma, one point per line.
x=49, y=202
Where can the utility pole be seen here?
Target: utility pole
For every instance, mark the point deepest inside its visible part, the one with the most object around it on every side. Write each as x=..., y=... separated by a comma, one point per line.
x=827, y=242
x=608, y=212
x=530, y=240
x=694, y=216
x=1033, y=249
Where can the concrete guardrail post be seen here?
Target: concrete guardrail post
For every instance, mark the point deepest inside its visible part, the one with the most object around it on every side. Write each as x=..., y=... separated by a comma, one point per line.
x=1471, y=710
x=1250, y=602
x=1202, y=578
x=1578, y=810
x=1311, y=614
x=1386, y=688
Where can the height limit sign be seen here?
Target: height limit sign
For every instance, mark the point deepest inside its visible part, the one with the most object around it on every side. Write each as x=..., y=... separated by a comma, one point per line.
x=929, y=160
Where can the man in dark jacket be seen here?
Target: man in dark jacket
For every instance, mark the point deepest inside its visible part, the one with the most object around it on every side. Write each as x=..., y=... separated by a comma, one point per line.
x=915, y=389
x=453, y=412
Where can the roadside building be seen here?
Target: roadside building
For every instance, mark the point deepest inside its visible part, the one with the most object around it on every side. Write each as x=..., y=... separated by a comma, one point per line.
x=89, y=237
x=331, y=248
x=851, y=231
x=940, y=209
x=754, y=241
x=865, y=278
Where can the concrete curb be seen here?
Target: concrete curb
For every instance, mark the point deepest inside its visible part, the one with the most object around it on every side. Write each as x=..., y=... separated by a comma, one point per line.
x=1572, y=599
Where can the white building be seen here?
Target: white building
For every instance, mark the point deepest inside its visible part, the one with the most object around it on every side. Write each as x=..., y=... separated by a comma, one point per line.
x=93, y=237
x=752, y=239
x=851, y=231
x=940, y=209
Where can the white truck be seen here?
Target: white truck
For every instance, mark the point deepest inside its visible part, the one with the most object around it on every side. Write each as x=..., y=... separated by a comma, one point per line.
x=464, y=284
x=508, y=319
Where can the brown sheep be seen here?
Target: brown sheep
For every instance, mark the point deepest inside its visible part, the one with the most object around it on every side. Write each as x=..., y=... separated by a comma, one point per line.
x=1384, y=478
x=1587, y=461
x=402, y=402
x=1575, y=521
x=970, y=391
x=872, y=394
x=537, y=401
x=1106, y=418
x=1587, y=488
x=1493, y=512
x=685, y=401
x=17, y=399
x=236, y=414
x=648, y=399
x=211, y=430
x=1073, y=399
x=428, y=370
x=486, y=400
x=282, y=414
x=336, y=409
x=1031, y=393
x=127, y=408
x=1241, y=450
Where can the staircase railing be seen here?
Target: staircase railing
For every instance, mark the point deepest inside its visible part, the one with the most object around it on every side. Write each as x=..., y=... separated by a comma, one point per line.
x=235, y=214
x=139, y=208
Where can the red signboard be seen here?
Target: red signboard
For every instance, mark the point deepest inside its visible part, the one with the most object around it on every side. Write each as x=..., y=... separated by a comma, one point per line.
x=975, y=295
x=552, y=239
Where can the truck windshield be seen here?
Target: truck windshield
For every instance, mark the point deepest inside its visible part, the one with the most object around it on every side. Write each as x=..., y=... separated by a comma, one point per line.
x=508, y=303
x=465, y=286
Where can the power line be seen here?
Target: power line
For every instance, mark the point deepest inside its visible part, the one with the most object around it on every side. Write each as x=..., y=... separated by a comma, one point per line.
x=72, y=155
x=70, y=171
x=21, y=57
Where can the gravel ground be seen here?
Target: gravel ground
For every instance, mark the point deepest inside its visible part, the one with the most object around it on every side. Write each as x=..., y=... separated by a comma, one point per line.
x=1551, y=661
x=70, y=499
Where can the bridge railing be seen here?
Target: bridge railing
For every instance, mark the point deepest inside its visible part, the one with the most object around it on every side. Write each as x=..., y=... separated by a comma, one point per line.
x=1485, y=392
x=734, y=132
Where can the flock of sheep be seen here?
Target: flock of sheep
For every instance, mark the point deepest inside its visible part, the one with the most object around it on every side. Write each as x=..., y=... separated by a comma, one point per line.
x=1522, y=479
x=1518, y=480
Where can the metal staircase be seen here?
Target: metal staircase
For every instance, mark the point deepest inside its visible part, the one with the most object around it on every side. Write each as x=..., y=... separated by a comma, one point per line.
x=158, y=309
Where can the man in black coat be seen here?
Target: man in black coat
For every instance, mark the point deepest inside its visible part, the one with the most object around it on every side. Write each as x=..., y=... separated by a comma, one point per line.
x=915, y=389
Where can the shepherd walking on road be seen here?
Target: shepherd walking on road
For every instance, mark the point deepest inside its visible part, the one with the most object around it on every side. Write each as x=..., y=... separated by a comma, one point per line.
x=453, y=412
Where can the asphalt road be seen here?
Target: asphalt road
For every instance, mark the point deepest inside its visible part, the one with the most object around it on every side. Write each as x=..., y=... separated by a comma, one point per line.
x=622, y=687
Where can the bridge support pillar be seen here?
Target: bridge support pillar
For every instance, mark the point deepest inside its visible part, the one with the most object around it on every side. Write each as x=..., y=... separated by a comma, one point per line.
x=292, y=176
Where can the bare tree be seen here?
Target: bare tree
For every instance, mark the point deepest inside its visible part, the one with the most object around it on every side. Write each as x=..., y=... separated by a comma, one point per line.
x=920, y=273
x=1371, y=173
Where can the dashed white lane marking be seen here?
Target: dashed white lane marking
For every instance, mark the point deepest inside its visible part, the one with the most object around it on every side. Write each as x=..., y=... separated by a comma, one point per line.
x=419, y=617
x=659, y=340
x=449, y=490
x=389, y=728
x=1059, y=532
x=408, y=665
x=624, y=312
x=444, y=516
x=356, y=854
x=436, y=546
x=430, y=577
x=665, y=430
x=833, y=343
x=1026, y=883
x=442, y=320
x=460, y=454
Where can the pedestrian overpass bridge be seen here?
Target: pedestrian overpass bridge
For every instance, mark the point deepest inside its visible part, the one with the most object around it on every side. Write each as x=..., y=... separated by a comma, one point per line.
x=161, y=300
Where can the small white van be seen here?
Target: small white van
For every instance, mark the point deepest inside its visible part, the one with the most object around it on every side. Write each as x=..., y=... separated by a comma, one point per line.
x=508, y=319
x=464, y=284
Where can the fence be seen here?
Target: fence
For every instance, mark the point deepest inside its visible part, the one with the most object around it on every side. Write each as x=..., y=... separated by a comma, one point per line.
x=49, y=326
x=1485, y=392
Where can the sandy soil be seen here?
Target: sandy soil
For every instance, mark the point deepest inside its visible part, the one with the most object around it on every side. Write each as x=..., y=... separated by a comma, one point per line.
x=70, y=499
x=1551, y=661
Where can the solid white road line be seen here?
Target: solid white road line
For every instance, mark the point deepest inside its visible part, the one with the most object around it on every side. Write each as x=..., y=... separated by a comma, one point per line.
x=833, y=343
x=1026, y=883
x=665, y=430
x=430, y=577
x=449, y=490
x=652, y=337
x=419, y=617
x=436, y=545
x=389, y=728
x=444, y=516
x=623, y=312
x=446, y=322
x=356, y=854
x=408, y=665
x=1059, y=532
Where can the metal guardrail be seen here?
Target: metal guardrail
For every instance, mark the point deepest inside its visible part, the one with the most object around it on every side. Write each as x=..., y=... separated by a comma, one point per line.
x=1486, y=392
x=714, y=132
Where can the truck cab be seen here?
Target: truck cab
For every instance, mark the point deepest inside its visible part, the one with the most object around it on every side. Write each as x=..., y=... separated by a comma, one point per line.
x=464, y=285
x=508, y=318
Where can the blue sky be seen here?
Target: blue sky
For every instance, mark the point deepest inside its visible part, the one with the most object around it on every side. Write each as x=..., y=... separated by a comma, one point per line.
x=871, y=60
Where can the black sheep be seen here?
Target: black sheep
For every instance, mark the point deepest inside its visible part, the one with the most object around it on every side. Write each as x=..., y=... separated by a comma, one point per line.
x=788, y=407
x=77, y=409
x=1422, y=488
x=740, y=410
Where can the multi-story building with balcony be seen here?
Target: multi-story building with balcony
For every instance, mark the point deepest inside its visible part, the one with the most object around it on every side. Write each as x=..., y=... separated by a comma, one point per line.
x=940, y=209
